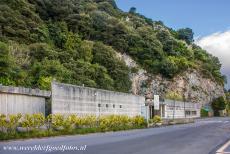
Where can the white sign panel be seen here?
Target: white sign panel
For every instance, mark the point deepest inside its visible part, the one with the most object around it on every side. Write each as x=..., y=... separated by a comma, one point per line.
x=156, y=102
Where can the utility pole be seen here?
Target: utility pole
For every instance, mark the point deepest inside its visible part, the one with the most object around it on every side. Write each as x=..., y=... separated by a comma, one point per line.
x=184, y=110
x=174, y=108
x=184, y=103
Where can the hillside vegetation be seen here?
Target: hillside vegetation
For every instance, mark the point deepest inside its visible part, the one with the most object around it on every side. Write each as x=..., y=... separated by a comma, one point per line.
x=75, y=41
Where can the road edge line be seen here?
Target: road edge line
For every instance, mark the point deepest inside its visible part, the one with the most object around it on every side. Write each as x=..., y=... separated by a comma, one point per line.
x=222, y=148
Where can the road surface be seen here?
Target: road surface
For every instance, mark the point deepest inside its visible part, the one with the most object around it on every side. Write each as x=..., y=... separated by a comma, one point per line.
x=202, y=137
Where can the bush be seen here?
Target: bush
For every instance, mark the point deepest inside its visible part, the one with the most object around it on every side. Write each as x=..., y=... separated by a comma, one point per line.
x=174, y=96
x=68, y=124
x=203, y=113
x=48, y=121
x=88, y=121
x=139, y=121
x=3, y=122
x=57, y=121
x=120, y=122
x=218, y=104
x=27, y=122
x=157, y=119
x=58, y=124
x=112, y=122
x=39, y=120
x=13, y=122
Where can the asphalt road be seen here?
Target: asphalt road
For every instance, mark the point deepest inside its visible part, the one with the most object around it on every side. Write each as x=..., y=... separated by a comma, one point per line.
x=203, y=137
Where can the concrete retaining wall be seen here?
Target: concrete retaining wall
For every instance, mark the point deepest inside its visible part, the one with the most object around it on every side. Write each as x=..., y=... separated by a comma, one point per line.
x=15, y=100
x=70, y=99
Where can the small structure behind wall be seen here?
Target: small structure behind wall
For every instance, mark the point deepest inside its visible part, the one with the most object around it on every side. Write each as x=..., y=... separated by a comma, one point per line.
x=171, y=109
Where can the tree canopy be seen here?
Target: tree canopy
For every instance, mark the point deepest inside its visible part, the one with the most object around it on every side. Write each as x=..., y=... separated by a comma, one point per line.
x=218, y=104
x=77, y=41
x=133, y=10
x=186, y=34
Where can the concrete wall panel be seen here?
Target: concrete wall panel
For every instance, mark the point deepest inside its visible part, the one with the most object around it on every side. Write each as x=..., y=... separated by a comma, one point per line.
x=15, y=103
x=15, y=100
x=70, y=99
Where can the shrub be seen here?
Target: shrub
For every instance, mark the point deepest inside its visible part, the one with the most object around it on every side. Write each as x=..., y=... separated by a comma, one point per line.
x=114, y=122
x=33, y=121
x=104, y=123
x=27, y=122
x=88, y=121
x=3, y=122
x=57, y=121
x=120, y=122
x=139, y=121
x=77, y=121
x=39, y=120
x=73, y=119
x=203, y=113
x=67, y=124
x=218, y=104
x=174, y=96
x=48, y=122
x=157, y=119
x=58, y=124
x=13, y=122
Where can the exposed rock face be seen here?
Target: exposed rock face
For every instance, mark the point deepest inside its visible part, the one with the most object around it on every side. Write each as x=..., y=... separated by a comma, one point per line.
x=190, y=85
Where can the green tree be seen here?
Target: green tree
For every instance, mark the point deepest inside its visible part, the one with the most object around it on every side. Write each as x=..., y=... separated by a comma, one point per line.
x=218, y=104
x=18, y=21
x=4, y=60
x=47, y=69
x=186, y=34
x=39, y=51
x=133, y=10
x=169, y=68
x=5, y=65
x=228, y=102
x=119, y=72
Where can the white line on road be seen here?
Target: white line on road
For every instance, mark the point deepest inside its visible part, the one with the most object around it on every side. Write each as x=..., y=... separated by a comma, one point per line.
x=221, y=150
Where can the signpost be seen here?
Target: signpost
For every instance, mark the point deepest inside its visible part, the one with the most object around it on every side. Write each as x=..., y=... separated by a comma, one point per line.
x=156, y=102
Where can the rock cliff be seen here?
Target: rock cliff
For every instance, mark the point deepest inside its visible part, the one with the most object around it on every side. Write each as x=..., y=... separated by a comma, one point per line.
x=190, y=85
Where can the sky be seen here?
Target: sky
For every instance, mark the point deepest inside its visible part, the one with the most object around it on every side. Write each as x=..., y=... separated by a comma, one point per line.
x=209, y=19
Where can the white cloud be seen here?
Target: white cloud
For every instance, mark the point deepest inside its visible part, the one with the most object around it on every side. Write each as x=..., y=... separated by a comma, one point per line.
x=218, y=44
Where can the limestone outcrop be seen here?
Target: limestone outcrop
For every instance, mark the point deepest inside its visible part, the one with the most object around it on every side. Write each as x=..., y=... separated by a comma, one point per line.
x=190, y=85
